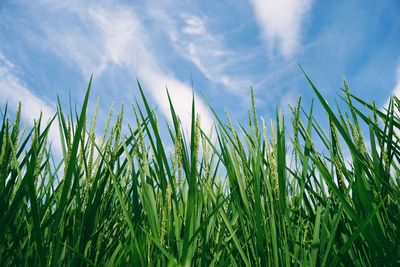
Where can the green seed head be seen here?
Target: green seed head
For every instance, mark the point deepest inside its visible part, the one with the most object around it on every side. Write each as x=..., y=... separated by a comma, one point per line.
x=253, y=105
x=179, y=154
x=197, y=140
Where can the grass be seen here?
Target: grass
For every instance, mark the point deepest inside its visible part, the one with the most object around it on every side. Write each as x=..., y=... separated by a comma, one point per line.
x=248, y=196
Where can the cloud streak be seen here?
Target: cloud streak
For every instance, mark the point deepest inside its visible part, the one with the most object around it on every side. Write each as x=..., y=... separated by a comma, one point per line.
x=281, y=23
x=396, y=88
x=104, y=36
x=194, y=39
x=13, y=91
x=207, y=51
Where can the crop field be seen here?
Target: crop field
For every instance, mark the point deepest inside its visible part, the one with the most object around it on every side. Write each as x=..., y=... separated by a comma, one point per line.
x=243, y=194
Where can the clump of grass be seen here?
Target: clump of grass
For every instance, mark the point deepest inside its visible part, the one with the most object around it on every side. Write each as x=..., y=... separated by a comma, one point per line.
x=124, y=200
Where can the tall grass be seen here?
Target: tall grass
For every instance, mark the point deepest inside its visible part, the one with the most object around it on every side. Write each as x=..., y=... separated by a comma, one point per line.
x=249, y=196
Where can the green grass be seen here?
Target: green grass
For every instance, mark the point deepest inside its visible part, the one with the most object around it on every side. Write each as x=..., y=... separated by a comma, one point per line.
x=248, y=196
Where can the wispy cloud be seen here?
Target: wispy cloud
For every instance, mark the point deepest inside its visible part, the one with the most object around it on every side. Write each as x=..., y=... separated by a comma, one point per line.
x=104, y=36
x=282, y=23
x=194, y=26
x=194, y=39
x=396, y=88
x=207, y=52
x=13, y=91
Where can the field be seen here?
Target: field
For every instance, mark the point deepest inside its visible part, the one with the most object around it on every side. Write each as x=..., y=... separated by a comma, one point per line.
x=251, y=194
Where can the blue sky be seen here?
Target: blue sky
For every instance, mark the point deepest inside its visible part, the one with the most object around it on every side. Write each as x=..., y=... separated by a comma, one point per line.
x=50, y=48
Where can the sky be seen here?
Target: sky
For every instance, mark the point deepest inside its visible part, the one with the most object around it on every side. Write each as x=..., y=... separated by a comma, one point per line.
x=212, y=50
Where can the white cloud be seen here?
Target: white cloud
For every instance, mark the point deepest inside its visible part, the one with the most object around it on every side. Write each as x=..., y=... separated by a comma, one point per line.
x=194, y=25
x=396, y=89
x=103, y=36
x=282, y=23
x=14, y=91
x=210, y=60
x=193, y=40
